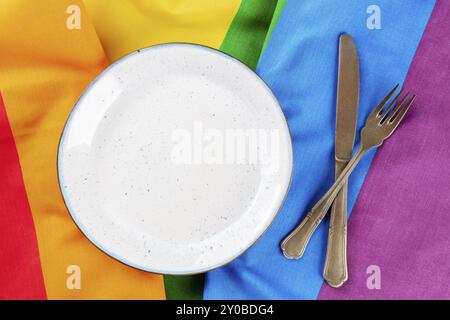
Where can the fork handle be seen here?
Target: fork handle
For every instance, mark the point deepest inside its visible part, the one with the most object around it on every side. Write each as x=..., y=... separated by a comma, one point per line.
x=294, y=245
x=335, y=269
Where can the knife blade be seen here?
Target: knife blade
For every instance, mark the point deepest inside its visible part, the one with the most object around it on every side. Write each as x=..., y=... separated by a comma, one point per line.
x=347, y=98
x=335, y=269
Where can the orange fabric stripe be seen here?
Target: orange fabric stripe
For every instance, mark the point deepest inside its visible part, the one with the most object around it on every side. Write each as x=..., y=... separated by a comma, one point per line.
x=44, y=67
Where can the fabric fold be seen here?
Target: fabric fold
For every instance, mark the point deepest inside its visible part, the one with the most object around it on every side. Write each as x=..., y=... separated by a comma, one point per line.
x=48, y=55
x=126, y=26
x=300, y=65
x=399, y=231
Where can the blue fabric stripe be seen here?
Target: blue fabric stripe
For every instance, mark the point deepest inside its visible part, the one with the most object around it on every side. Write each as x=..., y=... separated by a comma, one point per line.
x=300, y=65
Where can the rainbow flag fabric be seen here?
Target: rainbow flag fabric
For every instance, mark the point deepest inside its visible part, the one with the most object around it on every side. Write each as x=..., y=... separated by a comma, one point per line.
x=398, y=198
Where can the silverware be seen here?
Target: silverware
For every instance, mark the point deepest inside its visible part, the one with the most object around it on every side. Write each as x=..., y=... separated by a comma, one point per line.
x=335, y=269
x=380, y=124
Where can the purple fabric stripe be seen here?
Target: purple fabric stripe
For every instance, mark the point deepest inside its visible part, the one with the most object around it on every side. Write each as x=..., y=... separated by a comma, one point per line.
x=401, y=221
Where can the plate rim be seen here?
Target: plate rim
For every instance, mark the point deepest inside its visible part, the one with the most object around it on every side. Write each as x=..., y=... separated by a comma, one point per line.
x=81, y=227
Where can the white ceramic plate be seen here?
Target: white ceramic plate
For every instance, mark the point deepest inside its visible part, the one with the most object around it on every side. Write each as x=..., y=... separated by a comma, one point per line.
x=175, y=159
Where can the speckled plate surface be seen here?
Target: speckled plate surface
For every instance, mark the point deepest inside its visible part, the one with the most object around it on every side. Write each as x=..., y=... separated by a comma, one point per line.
x=175, y=160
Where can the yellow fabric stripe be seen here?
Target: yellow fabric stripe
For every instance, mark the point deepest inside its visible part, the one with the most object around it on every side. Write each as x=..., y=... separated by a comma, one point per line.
x=44, y=67
x=127, y=25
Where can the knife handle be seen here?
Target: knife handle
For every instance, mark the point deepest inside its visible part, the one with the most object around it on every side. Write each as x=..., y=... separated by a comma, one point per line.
x=335, y=269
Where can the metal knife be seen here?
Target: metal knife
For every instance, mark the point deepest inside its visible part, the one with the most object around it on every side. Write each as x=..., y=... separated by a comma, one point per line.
x=335, y=270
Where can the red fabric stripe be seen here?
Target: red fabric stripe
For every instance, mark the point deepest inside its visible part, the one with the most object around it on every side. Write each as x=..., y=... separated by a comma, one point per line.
x=20, y=269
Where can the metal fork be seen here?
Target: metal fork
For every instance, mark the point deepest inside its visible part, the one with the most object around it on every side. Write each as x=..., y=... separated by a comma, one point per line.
x=379, y=126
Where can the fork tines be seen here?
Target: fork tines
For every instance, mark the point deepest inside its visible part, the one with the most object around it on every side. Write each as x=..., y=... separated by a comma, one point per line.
x=394, y=111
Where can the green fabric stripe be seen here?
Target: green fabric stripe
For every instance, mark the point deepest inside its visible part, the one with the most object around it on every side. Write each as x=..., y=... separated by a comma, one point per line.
x=276, y=15
x=245, y=37
x=184, y=287
x=244, y=40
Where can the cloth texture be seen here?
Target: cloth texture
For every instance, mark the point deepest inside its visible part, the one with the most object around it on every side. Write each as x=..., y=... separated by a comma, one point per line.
x=399, y=224
x=300, y=64
x=44, y=67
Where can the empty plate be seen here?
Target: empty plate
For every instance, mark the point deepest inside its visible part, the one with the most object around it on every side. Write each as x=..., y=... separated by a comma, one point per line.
x=175, y=160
